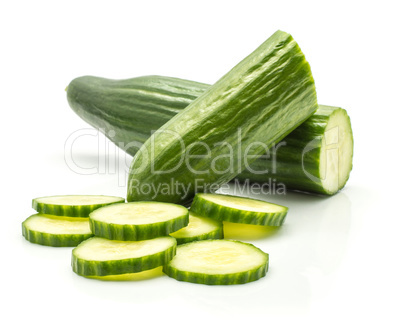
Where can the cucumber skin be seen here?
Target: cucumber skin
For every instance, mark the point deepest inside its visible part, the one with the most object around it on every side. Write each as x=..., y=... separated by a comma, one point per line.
x=125, y=232
x=115, y=267
x=203, y=207
x=248, y=99
x=225, y=279
x=55, y=240
x=289, y=158
x=68, y=210
x=221, y=279
x=128, y=110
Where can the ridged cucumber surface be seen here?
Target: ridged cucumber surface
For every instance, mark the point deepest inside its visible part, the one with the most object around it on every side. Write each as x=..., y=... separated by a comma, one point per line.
x=56, y=231
x=99, y=256
x=127, y=111
x=218, y=262
x=138, y=220
x=73, y=205
x=257, y=103
x=199, y=228
x=316, y=157
x=237, y=209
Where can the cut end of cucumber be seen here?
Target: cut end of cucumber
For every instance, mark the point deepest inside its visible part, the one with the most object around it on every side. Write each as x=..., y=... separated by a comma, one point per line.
x=218, y=262
x=336, y=152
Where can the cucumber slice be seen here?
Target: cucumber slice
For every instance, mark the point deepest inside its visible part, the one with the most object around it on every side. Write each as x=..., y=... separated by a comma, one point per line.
x=99, y=257
x=55, y=230
x=199, y=228
x=217, y=262
x=238, y=209
x=138, y=220
x=73, y=205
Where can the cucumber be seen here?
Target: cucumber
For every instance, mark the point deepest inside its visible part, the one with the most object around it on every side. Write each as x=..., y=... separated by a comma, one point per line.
x=73, y=205
x=56, y=231
x=316, y=157
x=254, y=105
x=128, y=110
x=100, y=257
x=199, y=228
x=138, y=220
x=238, y=209
x=174, y=95
x=217, y=262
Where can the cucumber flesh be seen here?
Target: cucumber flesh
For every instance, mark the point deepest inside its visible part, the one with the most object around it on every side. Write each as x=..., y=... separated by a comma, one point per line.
x=57, y=231
x=218, y=262
x=316, y=157
x=99, y=256
x=199, y=228
x=73, y=205
x=238, y=209
x=138, y=220
x=336, y=152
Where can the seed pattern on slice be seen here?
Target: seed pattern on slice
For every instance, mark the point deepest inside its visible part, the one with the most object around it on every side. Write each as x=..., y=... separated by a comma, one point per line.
x=73, y=205
x=199, y=228
x=136, y=221
x=99, y=256
x=54, y=230
x=217, y=262
x=238, y=209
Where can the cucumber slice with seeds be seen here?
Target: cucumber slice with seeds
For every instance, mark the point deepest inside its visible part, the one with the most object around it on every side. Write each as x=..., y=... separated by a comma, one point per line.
x=199, y=228
x=138, y=220
x=100, y=257
x=57, y=231
x=217, y=262
x=238, y=209
x=73, y=205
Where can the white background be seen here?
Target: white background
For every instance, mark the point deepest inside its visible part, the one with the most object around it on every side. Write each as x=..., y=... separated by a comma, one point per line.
x=334, y=258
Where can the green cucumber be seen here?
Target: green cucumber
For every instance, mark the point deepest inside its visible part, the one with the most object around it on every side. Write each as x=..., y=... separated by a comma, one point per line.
x=238, y=209
x=257, y=103
x=73, y=205
x=99, y=256
x=199, y=228
x=217, y=262
x=285, y=166
x=316, y=157
x=138, y=220
x=56, y=231
x=127, y=111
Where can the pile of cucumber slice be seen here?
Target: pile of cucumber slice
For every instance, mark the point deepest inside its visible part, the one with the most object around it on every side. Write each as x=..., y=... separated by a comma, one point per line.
x=113, y=238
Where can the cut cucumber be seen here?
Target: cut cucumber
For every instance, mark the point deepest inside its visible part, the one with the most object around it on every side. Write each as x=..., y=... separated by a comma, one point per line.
x=73, y=205
x=253, y=106
x=138, y=220
x=199, y=228
x=316, y=157
x=99, y=257
x=238, y=209
x=217, y=262
x=55, y=230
